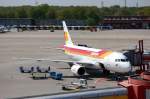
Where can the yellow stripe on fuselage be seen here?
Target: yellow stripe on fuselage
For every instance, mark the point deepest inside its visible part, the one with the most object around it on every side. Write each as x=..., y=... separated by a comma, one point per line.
x=105, y=54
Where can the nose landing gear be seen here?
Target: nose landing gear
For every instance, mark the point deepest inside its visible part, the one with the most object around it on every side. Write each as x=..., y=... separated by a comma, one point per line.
x=106, y=72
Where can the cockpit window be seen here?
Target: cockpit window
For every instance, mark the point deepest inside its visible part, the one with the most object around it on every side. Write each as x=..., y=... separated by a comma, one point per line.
x=121, y=60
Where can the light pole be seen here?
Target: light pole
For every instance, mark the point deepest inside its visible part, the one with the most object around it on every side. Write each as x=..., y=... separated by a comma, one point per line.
x=36, y=3
x=137, y=4
x=125, y=3
x=102, y=3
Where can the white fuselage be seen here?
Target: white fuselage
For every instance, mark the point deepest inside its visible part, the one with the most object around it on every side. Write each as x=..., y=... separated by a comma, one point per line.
x=113, y=61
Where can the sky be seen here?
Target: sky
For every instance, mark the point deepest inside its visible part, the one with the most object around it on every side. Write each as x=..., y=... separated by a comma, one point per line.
x=97, y=3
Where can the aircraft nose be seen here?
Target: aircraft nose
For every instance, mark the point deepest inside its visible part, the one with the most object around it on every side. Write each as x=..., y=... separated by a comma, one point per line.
x=124, y=67
x=127, y=67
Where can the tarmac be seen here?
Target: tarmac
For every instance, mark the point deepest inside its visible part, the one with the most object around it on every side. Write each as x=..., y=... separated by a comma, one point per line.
x=23, y=48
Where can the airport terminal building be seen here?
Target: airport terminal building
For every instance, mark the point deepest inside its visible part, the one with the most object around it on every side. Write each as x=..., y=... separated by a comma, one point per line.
x=127, y=22
x=38, y=22
x=116, y=22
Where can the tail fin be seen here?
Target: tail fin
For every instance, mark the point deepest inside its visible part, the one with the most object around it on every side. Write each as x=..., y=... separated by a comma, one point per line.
x=67, y=37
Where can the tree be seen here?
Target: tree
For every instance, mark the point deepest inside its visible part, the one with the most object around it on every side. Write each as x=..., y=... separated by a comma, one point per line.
x=90, y=21
x=51, y=14
x=144, y=11
x=92, y=15
x=21, y=13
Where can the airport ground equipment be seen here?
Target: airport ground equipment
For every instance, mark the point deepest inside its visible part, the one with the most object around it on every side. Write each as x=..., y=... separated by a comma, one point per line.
x=81, y=84
x=56, y=75
x=28, y=69
x=138, y=86
x=70, y=87
x=42, y=69
x=24, y=69
x=37, y=75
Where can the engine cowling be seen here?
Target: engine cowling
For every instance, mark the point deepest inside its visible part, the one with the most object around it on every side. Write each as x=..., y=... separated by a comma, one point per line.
x=78, y=70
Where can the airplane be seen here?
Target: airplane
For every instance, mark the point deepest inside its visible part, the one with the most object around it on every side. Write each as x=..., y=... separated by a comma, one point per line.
x=85, y=57
x=3, y=29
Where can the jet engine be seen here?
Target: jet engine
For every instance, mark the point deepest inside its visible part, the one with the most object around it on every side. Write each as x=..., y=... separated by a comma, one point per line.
x=77, y=69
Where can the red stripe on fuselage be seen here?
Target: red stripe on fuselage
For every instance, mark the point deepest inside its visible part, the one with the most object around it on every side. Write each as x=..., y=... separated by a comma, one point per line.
x=84, y=52
x=79, y=51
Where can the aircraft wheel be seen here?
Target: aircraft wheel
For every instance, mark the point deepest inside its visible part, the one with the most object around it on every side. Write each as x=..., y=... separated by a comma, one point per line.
x=106, y=72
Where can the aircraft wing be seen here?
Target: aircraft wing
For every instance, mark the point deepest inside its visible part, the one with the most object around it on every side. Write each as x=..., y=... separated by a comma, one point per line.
x=73, y=62
x=63, y=61
x=40, y=59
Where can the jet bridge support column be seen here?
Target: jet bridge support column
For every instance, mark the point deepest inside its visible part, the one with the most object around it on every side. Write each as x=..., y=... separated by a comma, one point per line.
x=142, y=67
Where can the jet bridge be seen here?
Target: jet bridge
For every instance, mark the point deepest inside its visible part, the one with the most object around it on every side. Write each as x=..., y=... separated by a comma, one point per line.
x=139, y=57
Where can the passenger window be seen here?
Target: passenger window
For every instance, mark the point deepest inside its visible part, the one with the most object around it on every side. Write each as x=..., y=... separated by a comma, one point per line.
x=121, y=60
x=117, y=60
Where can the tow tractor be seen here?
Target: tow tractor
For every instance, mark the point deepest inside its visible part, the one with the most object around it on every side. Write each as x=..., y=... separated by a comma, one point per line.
x=82, y=84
